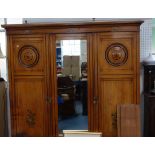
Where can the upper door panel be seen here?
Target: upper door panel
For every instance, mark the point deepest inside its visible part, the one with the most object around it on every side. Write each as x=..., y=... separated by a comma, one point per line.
x=29, y=55
x=117, y=53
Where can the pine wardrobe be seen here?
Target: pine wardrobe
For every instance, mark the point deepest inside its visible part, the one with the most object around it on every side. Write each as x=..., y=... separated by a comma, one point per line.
x=113, y=73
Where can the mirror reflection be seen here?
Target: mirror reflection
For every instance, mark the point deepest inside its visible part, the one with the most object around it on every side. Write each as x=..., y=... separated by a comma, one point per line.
x=71, y=60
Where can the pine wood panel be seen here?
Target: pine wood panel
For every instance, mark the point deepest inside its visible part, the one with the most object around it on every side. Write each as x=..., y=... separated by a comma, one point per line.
x=29, y=77
x=53, y=86
x=38, y=43
x=70, y=28
x=113, y=92
x=90, y=65
x=30, y=107
x=125, y=39
x=128, y=119
x=117, y=76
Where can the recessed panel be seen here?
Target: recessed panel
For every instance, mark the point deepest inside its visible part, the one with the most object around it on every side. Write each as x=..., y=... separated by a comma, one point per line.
x=117, y=55
x=113, y=92
x=30, y=107
x=29, y=55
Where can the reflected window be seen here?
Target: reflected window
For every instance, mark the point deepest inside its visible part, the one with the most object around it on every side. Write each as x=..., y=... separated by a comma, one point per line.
x=70, y=47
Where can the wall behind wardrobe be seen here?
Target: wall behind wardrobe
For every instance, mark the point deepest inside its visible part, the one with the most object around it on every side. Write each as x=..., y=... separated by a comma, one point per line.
x=153, y=35
x=145, y=49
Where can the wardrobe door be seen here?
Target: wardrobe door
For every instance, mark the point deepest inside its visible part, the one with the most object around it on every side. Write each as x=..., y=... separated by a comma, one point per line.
x=117, y=76
x=28, y=76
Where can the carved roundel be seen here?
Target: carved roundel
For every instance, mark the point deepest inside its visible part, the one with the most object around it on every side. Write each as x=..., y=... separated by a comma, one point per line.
x=116, y=54
x=28, y=56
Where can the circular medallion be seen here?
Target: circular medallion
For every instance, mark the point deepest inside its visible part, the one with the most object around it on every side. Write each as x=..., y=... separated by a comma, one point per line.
x=116, y=54
x=28, y=56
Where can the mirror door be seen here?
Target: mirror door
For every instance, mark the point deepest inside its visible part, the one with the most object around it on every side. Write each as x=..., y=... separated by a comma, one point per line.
x=72, y=82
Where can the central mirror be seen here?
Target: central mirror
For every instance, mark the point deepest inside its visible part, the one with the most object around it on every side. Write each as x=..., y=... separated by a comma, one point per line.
x=71, y=60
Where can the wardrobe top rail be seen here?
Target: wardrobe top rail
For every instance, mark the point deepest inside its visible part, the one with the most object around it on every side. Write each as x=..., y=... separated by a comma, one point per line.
x=72, y=27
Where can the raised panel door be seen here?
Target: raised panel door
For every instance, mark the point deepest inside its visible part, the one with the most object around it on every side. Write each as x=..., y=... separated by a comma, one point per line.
x=116, y=76
x=113, y=91
x=29, y=80
x=31, y=107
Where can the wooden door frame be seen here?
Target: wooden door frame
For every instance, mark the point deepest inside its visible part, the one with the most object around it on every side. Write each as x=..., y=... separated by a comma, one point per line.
x=90, y=62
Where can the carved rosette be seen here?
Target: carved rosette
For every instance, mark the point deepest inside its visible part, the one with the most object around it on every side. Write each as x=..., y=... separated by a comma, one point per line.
x=28, y=56
x=116, y=54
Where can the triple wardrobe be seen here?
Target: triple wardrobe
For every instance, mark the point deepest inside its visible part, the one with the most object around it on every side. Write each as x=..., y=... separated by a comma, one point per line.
x=113, y=73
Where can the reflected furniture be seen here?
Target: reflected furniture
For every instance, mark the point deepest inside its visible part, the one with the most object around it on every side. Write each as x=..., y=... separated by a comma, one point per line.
x=66, y=90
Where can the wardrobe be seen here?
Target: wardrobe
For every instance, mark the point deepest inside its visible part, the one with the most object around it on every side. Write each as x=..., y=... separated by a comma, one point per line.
x=113, y=73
